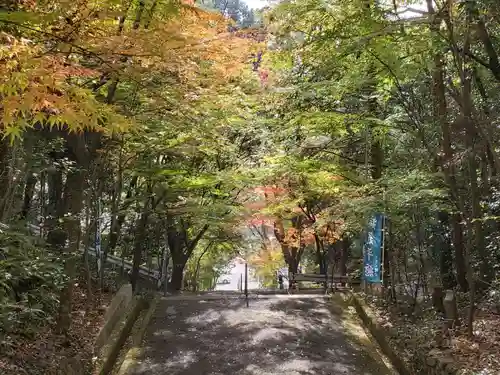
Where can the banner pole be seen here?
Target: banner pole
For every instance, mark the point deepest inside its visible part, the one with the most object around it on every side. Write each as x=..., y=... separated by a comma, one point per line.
x=382, y=250
x=382, y=247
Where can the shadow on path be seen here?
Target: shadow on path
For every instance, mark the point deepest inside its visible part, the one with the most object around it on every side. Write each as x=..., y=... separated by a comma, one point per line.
x=296, y=336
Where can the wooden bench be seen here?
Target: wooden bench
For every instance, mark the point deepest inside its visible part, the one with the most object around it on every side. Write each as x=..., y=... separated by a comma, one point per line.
x=334, y=280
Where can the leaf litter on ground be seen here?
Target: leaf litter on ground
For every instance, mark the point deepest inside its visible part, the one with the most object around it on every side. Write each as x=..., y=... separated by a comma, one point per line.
x=410, y=334
x=45, y=351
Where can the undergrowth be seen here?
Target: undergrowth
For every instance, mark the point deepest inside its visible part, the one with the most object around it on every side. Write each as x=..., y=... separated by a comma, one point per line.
x=31, y=277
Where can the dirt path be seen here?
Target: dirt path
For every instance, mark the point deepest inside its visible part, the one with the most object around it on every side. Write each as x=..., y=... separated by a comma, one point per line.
x=290, y=336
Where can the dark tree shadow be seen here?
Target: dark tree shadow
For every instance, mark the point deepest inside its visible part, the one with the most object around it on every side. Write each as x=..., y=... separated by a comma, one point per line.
x=292, y=336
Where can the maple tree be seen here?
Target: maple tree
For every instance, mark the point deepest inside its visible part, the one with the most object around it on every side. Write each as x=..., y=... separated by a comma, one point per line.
x=296, y=222
x=120, y=109
x=158, y=129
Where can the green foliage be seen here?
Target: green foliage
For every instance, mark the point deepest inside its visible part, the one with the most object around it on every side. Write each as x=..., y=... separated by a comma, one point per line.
x=209, y=261
x=30, y=279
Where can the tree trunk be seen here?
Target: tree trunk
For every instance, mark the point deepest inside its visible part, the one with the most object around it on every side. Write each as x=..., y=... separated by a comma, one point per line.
x=117, y=220
x=458, y=245
x=86, y=256
x=344, y=255
x=493, y=61
x=197, y=268
x=139, y=240
x=471, y=140
x=445, y=254
x=320, y=255
x=164, y=270
x=345, y=244
x=440, y=111
x=377, y=159
x=391, y=260
x=291, y=254
x=175, y=284
x=55, y=209
x=181, y=249
x=293, y=265
x=73, y=202
x=4, y=173
x=81, y=147
x=29, y=191
x=470, y=278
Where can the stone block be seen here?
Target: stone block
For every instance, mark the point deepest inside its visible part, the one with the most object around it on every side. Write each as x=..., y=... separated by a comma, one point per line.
x=114, y=312
x=450, y=307
x=124, y=294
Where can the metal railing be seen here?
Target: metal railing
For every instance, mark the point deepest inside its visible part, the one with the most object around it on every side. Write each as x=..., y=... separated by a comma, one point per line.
x=143, y=271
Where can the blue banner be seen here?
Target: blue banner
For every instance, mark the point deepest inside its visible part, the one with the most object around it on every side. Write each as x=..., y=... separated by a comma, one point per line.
x=372, y=250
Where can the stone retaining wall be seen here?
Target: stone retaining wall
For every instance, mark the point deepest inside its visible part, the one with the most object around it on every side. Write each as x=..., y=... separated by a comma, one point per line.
x=118, y=339
x=430, y=364
x=119, y=319
x=115, y=311
x=105, y=341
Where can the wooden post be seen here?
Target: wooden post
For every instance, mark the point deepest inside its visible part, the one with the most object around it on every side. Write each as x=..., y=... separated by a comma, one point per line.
x=246, y=283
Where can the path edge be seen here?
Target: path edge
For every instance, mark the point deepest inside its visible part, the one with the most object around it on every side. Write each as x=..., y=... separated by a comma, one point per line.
x=377, y=332
x=137, y=350
x=421, y=363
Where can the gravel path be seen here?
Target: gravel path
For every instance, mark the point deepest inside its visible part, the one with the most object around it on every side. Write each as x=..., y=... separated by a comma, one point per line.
x=274, y=336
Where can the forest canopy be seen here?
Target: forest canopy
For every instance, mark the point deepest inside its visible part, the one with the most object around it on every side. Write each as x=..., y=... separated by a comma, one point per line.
x=176, y=135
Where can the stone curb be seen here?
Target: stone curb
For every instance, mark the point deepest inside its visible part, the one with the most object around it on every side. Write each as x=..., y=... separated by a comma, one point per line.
x=428, y=365
x=136, y=306
x=379, y=334
x=364, y=339
x=136, y=350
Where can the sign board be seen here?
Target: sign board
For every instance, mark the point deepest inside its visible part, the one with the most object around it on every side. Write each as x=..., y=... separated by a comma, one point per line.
x=372, y=250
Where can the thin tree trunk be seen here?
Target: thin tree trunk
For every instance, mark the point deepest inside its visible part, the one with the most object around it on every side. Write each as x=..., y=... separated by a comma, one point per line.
x=29, y=191
x=118, y=219
x=320, y=254
x=448, y=280
x=440, y=111
x=55, y=208
x=197, y=269
x=493, y=61
x=458, y=245
x=73, y=201
x=471, y=139
x=4, y=173
x=86, y=260
x=470, y=277
x=8, y=181
x=344, y=256
x=139, y=240
x=82, y=147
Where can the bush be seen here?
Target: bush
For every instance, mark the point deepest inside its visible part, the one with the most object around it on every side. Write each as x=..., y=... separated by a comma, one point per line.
x=30, y=280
